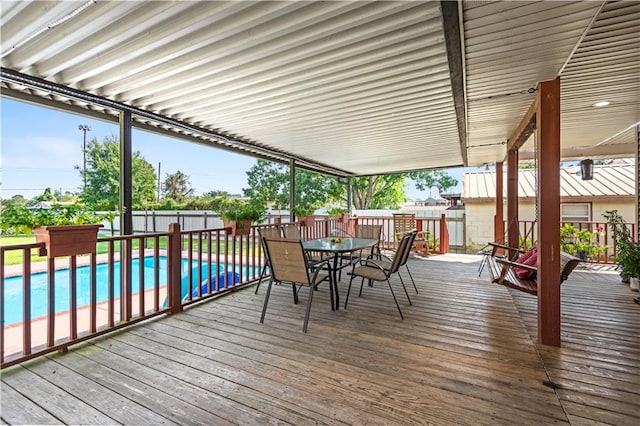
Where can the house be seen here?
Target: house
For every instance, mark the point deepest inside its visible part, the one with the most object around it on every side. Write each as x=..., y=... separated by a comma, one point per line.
x=612, y=187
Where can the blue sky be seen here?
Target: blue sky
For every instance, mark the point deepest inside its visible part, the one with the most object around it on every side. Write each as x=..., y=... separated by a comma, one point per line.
x=41, y=146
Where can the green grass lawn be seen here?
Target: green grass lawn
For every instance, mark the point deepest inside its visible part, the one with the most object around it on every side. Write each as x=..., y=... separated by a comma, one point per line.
x=14, y=257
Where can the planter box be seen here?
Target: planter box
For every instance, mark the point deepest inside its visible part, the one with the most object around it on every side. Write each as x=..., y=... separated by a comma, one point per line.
x=238, y=227
x=67, y=240
x=342, y=218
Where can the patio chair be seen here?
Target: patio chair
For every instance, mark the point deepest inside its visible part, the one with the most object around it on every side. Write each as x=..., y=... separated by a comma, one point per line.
x=271, y=232
x=385, y=261
x=372, y=270
x=363, y=231
x=289, y=265
x=291, y=231
x=406, y=222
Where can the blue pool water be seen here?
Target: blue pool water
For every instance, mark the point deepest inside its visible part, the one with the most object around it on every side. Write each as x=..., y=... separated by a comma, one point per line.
x=13, y=285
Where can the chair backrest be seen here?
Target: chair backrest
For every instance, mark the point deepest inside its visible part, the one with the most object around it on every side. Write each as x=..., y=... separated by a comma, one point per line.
x=270, y=232
x=288, y=260
x=291, y=231
x=407, y=249
x=402, y=253
x=404, y=222
x=369, y=231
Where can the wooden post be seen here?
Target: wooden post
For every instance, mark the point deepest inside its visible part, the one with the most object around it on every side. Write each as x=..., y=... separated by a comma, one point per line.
x=548, y=128
x=498, y=226
x=174, y=260
x=444, y=235
x=512, y=201
x=637, y=183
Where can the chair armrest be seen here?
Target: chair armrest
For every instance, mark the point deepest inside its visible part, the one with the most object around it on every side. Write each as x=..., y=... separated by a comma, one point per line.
x=516, y=264
x=497, y=247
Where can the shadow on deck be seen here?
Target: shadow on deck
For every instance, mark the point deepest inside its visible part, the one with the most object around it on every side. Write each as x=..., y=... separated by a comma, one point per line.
x=465, y=354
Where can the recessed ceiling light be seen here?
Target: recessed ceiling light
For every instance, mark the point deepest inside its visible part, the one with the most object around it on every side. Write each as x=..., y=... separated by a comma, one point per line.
x=601, y=104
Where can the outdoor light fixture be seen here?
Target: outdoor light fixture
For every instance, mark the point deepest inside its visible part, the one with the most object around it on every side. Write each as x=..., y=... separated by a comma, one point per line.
x=601, y=104
x=586, y=169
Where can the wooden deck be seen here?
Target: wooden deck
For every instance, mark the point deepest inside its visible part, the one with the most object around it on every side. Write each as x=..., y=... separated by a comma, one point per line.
x=465, y=354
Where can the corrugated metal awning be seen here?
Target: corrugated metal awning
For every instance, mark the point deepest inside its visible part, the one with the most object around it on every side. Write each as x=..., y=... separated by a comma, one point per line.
x=349, y=88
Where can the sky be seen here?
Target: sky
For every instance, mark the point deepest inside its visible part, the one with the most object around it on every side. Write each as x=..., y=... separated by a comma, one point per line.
x=40, y=147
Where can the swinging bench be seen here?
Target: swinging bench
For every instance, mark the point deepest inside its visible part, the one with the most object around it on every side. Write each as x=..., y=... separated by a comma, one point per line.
x=520, y=273
x=504, y=271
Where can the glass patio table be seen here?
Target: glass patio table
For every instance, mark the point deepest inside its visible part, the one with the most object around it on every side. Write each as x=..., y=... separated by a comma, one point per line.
x=329, y=246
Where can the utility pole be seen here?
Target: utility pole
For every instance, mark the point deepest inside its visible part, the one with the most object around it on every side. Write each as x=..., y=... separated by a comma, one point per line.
x=159, y=163
x=84, y=129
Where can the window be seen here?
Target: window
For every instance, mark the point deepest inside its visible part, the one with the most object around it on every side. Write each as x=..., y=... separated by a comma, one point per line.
x=575, y=212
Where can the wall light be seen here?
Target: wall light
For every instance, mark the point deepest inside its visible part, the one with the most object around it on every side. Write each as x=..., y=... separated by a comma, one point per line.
x=601, y=104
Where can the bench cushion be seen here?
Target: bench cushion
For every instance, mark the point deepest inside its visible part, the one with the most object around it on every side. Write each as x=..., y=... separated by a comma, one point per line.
x=530, y=258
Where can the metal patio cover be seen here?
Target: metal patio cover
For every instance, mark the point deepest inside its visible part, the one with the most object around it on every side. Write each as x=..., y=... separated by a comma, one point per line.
x=349, y=88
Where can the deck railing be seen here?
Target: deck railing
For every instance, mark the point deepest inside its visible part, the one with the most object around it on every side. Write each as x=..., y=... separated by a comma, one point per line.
x=136, y=277
x=602, y=237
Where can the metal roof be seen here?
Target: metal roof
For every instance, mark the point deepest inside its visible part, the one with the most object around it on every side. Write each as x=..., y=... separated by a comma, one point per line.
x=611, y=180
x=345, y=87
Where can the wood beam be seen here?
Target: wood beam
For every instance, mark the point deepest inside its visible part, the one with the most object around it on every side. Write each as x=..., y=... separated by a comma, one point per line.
x=548, y=128
x=637, y=183
x=512, y=202
x=498, y=226
x=525, y=128
x=453, y=41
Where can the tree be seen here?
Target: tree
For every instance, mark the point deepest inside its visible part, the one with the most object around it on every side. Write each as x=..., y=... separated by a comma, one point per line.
x=103, y=176
x=269, y=181
x=379, y=192
x=177, y=187
x=47, y=195
x=433, y=178
x=216, y=193
x=16, y=200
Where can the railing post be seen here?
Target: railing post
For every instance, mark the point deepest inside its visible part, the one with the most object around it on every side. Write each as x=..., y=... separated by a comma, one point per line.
x=444, y=235
x=174, y=259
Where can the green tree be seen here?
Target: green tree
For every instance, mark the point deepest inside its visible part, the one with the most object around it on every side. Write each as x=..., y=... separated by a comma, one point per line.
x=16, y=200
x=66, y=197
x=103, y=176
x=433, y=178
x=269, y=181
x=47, y=195
x=177, y=187
x=373, y=192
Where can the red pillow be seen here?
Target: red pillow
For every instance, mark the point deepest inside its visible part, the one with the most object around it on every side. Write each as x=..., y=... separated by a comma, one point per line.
x=530, y=258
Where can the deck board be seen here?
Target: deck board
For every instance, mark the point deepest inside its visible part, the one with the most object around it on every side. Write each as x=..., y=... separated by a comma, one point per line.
x=466, y=353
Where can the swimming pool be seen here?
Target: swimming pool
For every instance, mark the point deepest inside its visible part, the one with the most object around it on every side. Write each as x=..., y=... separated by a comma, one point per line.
x=13, y=286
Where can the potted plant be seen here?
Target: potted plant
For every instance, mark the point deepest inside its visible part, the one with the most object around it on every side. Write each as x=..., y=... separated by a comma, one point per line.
x=239, y=214
x=304, y=214
x=64, y=230
x=338, y=213
x=579, y=242
x=627, y=251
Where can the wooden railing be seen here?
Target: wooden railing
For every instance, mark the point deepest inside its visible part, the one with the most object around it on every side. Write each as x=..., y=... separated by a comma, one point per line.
x=136, y=277
x=603, y=237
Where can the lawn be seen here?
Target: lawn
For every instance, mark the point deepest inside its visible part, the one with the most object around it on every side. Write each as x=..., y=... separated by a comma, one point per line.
x=14, y=257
